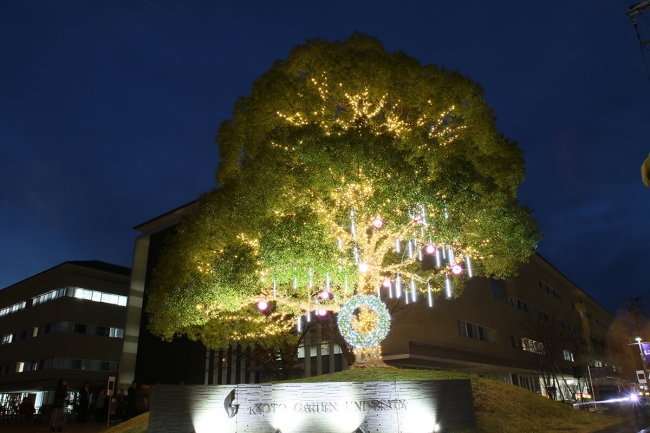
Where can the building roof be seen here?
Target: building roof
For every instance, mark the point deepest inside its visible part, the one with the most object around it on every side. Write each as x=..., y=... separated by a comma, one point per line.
x=102, y=266
x=168, y=218
x=90, y=264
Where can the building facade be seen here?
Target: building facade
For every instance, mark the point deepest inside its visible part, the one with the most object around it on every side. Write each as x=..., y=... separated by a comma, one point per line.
x=66, y=322
x=536, y=330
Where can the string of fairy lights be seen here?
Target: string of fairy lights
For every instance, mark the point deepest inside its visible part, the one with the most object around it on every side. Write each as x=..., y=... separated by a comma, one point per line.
x=365, y=331
x=363, y=318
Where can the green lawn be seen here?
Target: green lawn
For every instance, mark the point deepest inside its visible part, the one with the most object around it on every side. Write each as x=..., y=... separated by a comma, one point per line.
x=500, y=407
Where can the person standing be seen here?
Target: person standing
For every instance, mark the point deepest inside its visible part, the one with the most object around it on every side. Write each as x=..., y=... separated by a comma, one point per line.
x=120, y=398
x=100, y=405
x=59, y=417
x=84, y=402
x=131, y=400
x=26, y=408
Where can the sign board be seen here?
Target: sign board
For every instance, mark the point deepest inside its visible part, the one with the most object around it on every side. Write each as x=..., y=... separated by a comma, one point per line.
x=336, y=407
x=110, y=388
x=640, y=375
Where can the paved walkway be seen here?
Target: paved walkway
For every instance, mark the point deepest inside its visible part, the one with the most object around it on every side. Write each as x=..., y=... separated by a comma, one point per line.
x=87, y=427
x=638, y=420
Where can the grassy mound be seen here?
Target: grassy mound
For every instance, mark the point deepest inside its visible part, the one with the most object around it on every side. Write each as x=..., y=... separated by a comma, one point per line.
x=138, y=424
x=500, y=407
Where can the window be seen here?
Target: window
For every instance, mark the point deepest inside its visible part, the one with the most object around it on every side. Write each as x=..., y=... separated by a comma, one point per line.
x=544, y=316
x=80, y=328
x=548, y=290
x=7, y=338
x=515, y=341
x=20, y=367
x=119, y=333
x=602, y=325
x=12, y=308
x=596, y=341
x=93, y=295
x=585, y=314
x=518, y=303
x=475, y=331
x=49, y=296
x=568, y=356
x=598, y=363
x=532, y=346
x=499, y=290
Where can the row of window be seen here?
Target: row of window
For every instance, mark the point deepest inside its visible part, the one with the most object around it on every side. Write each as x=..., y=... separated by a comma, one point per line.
x=518, y=303
x=65, y=363
x=602, y=325
x=49, y=296
x=548, y=290
x=571, y=329
x=74, y=292
x=477, y=332
x=482, y=333
x=596, y=341
x=79, y=328
x=499, y=293
x=12, y=308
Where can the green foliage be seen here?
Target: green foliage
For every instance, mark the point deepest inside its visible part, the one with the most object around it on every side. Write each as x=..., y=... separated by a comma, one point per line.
x=333, y=128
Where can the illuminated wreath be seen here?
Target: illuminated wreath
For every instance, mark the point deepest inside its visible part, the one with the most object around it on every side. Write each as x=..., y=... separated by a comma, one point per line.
x=364, y=340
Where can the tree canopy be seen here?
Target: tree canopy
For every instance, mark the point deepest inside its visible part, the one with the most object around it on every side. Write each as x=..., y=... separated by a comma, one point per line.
x=341, y=165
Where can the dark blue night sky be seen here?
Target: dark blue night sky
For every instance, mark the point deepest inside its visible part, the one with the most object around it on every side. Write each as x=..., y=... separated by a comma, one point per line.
x=108, y=112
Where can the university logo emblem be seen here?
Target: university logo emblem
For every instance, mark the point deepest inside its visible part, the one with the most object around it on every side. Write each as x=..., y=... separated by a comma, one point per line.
x=231, y=409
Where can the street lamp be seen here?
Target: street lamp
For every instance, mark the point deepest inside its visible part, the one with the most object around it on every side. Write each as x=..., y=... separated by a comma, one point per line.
x=645, y=372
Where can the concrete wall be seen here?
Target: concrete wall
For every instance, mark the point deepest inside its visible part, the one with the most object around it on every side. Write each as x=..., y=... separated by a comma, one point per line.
x=336, y=407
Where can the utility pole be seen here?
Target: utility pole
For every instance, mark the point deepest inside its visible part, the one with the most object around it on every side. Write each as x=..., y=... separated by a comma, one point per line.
x=635, y=10
x=634, y=309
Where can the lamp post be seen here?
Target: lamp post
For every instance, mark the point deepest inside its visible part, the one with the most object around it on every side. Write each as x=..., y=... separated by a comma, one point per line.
x=645, y=372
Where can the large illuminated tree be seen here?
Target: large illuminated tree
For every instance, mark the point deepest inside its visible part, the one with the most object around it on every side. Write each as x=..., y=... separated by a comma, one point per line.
x=340, y=172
